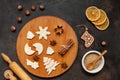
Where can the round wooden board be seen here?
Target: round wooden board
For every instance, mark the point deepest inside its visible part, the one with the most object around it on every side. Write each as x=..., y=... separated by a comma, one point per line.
x=51, y=22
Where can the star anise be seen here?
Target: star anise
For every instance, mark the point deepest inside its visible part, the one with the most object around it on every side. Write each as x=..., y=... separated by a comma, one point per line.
x=64, y=65
x=53, y=43
x=36, y=58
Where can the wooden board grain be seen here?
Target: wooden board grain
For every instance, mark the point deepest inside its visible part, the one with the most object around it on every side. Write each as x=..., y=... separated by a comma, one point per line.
x=51, y=22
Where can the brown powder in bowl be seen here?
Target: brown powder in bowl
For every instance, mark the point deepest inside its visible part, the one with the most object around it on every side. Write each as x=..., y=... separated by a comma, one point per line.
x=91, y=57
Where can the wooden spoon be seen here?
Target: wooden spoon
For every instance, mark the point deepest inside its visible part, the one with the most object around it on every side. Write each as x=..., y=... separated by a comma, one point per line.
x=91, y=65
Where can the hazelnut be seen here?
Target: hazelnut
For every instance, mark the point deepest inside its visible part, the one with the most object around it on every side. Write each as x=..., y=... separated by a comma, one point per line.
x=27, y=12
x=103, y=43
x=42, y=7
x=13, y=28
x=20, y=7
x=19, y=19
x=33, y=8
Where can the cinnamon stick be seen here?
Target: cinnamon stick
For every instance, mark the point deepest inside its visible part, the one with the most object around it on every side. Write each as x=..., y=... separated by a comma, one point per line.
x=64, y=48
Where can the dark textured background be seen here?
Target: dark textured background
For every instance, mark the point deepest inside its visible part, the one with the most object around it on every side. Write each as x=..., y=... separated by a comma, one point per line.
x=73, y=11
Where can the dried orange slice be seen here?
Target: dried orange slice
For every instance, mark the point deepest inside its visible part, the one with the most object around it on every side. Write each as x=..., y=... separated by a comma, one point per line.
x=104, y=25
x=93, y=13
x=102, y=18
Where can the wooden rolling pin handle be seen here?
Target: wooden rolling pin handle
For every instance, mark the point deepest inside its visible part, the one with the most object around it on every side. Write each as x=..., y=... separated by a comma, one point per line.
x=6, y=58
x=16, y=68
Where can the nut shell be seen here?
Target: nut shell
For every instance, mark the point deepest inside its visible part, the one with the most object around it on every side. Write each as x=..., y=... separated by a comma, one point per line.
x=27, y=12
x=20, y=7
x=13, y=28
x=103, y=43
x=42, y=7
x=19, y=19
x=33, y=7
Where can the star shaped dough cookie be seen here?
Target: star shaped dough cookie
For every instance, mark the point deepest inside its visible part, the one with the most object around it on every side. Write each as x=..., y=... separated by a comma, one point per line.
x=43, y=32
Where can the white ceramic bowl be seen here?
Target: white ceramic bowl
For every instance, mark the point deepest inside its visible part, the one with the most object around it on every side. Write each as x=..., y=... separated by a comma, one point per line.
x=96, y=70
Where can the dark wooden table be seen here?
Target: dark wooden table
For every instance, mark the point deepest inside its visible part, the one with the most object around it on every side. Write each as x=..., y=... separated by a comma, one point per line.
x=73, y=11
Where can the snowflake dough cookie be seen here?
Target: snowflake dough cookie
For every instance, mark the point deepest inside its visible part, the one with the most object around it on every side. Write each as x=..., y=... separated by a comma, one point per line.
x=34, y=65
x=43, y=32
x=50, y=51
x=28, y=49
x=30, y=35
x=39, y=47
x=50, y=64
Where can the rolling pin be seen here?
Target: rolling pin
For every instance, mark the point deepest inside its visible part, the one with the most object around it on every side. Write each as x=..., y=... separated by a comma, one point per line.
x=16, y=68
